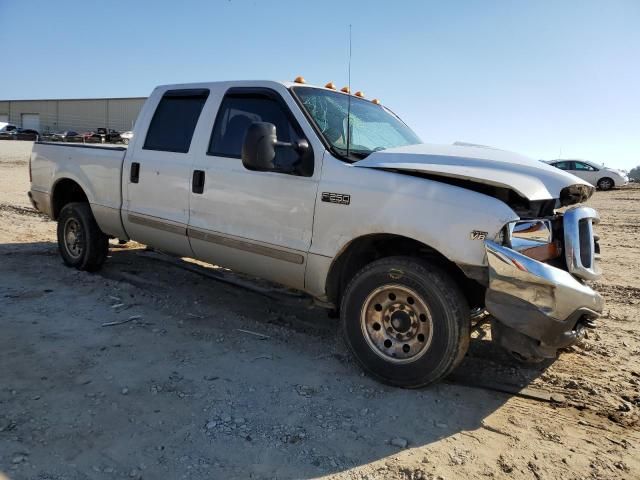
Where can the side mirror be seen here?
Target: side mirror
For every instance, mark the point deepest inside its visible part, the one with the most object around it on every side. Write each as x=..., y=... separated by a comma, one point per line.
x=259, y=149
x=259, y=146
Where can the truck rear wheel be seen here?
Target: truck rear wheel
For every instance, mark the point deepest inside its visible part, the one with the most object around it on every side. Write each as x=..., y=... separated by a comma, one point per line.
x=81, y=243
x=405, y=321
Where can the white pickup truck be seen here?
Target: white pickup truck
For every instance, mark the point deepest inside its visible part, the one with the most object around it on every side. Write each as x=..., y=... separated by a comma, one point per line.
x=333, y=194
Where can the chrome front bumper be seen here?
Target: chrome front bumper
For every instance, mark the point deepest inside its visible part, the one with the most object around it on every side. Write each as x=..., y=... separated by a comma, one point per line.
x=540, y=308
x=544, y=303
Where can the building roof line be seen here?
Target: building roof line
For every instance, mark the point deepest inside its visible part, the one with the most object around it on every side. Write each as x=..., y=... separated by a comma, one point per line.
x=70, y=99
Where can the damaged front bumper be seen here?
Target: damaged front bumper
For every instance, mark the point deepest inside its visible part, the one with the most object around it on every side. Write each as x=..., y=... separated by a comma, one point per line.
x=539, y=308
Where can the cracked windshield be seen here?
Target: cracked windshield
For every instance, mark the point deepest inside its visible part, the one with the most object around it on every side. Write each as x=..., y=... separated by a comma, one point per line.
x=372, y=126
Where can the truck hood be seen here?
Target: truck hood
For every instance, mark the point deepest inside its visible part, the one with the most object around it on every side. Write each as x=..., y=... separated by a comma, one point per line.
x=532, y=179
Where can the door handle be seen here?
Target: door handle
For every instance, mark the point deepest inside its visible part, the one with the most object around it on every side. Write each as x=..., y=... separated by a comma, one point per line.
x=197, y=182
x=135, y=172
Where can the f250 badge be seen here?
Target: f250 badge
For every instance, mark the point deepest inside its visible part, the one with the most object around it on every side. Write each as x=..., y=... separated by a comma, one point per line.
x=478, y=235
x=341, y=198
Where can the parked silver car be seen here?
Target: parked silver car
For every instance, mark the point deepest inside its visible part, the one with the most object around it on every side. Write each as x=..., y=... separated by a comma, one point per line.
x=597, y=175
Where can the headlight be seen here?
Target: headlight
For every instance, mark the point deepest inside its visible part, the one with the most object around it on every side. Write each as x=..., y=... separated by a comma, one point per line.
x=528, y=233
x=533, y=238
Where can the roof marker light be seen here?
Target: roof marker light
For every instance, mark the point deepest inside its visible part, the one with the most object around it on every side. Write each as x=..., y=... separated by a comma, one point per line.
x=376, y=101
x=345, y=90
x=359, y=94
x=300, y=79
x=331, y=86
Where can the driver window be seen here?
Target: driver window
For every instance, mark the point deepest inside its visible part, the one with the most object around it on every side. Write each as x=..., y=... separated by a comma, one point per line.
x=237, y=112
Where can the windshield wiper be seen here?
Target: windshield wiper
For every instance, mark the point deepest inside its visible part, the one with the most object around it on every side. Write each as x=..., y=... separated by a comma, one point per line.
x=354, y=155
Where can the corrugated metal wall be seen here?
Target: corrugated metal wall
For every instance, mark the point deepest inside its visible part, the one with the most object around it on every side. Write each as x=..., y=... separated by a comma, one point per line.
x=123, y=112
x=80, y=115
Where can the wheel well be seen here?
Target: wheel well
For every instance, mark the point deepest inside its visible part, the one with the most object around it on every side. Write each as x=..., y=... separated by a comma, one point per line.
x=369, y=248
x=605, y=178
x=66, y=191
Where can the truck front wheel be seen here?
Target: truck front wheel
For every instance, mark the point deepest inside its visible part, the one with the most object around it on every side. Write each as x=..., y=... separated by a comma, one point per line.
x=405, y=321
x=81, y=243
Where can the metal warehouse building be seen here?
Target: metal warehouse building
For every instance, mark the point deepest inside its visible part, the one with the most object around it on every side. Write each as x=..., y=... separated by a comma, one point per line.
x=72, y=114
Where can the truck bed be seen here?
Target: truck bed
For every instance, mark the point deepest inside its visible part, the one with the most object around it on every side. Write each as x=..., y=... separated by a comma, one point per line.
x=98, y=169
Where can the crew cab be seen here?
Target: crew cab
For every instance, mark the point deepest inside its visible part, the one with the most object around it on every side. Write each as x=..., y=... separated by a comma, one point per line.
x=332, y=194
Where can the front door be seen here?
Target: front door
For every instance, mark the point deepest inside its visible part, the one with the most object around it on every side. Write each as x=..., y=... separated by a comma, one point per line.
x=259, y=223
x=157, y=172
x=585, y=172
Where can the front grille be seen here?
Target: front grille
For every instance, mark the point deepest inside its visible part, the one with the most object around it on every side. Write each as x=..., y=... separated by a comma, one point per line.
x=579, y=242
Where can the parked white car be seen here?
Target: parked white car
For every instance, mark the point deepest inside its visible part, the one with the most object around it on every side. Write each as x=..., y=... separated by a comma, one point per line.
x=597, y=175
x=333, y=194
x=126, y=137
x=7, y=127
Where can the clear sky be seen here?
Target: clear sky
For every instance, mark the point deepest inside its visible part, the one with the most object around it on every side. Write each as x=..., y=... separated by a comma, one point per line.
x=543, y=78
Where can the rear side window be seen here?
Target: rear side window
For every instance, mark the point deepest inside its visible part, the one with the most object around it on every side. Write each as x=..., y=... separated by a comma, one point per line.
x=563, y=165
x=175, y=119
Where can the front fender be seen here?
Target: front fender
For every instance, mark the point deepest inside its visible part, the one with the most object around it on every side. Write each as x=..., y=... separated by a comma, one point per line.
x=452, y=220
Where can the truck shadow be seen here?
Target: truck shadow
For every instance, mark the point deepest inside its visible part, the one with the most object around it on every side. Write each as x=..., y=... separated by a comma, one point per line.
x=268, y=356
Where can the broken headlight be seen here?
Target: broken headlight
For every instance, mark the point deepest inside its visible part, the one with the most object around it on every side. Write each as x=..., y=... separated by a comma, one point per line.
x=533, y=238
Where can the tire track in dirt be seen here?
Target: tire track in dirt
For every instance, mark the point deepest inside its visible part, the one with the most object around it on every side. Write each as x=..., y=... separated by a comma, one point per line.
x=6, y=207
x=617, y=293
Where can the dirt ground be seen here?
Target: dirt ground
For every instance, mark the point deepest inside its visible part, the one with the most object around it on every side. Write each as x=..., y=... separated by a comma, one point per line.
x=225, y=378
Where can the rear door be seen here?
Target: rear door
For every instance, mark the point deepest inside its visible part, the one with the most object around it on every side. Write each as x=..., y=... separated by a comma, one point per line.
x=258, y=223
x=157, y=171
x=569, y=166
x=565, y=165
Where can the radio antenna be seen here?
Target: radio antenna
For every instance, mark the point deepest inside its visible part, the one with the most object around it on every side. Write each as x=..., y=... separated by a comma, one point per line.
x=349, y=98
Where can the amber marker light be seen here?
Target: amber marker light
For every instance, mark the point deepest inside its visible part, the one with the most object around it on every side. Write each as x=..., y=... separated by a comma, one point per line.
x=300, y=79
x=359, y=94
x=331, y=86
x=345, y=90
x=375, y=101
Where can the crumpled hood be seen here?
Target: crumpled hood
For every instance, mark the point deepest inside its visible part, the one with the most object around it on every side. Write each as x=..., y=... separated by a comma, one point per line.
x=532, y=179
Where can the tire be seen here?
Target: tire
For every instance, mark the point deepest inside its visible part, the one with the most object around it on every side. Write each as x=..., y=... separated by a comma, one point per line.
x=605, y=184
x=432, y=306
x=81, y=243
